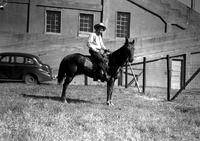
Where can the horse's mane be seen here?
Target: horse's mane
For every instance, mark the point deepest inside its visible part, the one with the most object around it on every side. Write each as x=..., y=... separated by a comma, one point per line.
x=115, y=58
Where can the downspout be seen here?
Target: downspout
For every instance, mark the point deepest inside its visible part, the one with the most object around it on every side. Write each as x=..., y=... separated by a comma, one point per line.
x=193, y=4
x=102, y=4
x=28, y=17
x=192, y=7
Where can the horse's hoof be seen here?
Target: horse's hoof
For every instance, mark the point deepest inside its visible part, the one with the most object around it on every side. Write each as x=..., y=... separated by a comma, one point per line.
x=109, y=103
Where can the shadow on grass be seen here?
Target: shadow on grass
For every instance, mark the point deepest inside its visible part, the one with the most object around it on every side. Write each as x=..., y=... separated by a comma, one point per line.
x=56, y=98
x=52, y=82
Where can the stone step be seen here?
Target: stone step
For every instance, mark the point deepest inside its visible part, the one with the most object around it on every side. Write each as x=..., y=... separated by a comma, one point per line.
x=138, y=57
x=168, y=37
x=162, y=47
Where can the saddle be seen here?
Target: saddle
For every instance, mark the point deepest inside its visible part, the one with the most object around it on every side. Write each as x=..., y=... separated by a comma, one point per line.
x=97, y=71
x=94, y=62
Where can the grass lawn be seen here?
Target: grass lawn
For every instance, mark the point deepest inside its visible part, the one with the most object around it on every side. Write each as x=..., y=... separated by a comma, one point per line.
x=34, y=113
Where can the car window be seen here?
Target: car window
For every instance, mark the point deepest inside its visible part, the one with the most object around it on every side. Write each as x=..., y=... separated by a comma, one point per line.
x=29, y=61
x=5, y=59
x=19, y=59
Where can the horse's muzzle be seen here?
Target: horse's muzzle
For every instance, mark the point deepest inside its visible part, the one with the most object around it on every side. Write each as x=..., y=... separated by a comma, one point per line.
x=130, y=59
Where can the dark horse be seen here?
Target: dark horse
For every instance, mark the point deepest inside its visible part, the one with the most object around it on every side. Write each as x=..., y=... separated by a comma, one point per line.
x=75, y=64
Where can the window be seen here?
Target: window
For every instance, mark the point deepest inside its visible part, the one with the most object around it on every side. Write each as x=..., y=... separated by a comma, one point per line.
x=19, y=60
x=123, y=24
x=5, y=59
x=29, y=61
x=53, y=21
x=86, y=22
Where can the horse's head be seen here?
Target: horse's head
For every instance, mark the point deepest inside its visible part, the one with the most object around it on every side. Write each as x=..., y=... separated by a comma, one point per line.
x=130, y=49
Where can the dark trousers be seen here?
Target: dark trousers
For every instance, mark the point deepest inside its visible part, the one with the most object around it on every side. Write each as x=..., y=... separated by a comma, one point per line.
x=100, y=60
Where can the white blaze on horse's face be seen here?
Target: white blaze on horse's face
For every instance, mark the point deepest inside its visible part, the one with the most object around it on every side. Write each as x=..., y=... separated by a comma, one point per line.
x=130, y=46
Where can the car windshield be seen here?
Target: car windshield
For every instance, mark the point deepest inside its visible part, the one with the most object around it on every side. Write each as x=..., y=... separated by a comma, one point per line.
x=29, y=61
x=38, y=60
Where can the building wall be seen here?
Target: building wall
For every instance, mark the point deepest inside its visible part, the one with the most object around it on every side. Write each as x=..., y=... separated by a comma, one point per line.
x=195, y=2
x=156, y=74
x=197, y=6
x=186, y=2
x=72, y=28
x=37, y=18
x=142, y=22
x=69, y=17
x=193, y=65
x=70, y=21
x=14, y=18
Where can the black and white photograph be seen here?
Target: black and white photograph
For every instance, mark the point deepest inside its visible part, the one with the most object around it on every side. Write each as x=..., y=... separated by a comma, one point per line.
x=99, y=70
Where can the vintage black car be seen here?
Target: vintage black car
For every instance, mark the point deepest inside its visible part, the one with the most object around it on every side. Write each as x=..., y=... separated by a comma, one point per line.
x=25, y=67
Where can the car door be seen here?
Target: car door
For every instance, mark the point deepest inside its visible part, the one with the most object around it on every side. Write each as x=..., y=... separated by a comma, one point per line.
x=19, y=66
x=5, y=67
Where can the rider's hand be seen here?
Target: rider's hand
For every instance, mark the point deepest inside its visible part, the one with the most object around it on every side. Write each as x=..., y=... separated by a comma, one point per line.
x=107, y=50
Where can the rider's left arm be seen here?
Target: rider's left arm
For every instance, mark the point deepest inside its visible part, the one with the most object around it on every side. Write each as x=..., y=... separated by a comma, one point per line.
x=102, y=44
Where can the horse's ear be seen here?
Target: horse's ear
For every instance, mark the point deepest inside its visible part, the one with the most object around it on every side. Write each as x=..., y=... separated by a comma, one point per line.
x=133, y=41
x=126, y=40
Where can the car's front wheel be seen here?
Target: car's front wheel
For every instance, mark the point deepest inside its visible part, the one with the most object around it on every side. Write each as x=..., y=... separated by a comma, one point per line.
x=30, y=79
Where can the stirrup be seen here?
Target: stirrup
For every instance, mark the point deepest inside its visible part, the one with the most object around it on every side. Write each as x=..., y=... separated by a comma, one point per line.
x=106, y=76
x=95, y=79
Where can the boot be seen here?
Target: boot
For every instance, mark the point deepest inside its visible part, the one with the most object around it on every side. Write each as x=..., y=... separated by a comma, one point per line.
x=95, y=78
x=105, y=73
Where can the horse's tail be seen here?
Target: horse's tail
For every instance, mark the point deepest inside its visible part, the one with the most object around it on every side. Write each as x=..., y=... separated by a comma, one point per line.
x=61, y=73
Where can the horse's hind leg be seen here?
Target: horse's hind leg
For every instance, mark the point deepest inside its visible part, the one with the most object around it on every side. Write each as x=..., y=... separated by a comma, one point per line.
x=110, y=86
x=65, y=85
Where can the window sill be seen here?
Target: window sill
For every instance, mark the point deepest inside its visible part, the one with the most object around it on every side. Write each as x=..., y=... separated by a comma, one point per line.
x=52, y=33
x=83, y=34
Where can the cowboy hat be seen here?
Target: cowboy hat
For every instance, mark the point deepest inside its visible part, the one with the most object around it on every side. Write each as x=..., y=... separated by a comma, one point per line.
x=96, y=26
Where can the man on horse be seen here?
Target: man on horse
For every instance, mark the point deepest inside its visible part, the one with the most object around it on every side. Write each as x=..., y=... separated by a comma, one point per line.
x=97, y=50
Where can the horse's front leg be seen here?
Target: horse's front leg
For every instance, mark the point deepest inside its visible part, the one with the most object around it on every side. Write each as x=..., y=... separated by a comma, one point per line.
x=110, y=86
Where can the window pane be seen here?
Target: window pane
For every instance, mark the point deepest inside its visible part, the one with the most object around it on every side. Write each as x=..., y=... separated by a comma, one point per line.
x=53, y=22
x=5, y=59
x=86, y=22
x=20, y=60
x=29, y=61
x=122, y=24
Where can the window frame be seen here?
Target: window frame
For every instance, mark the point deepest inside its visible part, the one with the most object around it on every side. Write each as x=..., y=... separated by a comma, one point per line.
x=85, y=33
x=128, y=26
x=60, y=21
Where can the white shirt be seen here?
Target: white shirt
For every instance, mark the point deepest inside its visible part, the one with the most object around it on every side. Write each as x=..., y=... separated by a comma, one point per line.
x=95, y=42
